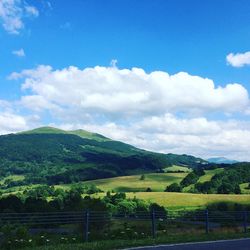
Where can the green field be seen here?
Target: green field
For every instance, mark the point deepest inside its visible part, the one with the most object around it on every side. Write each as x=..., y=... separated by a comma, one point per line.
x=133, y=186
x=186, y=200
x=176, y=168
x=174, y=200
x=155, y=181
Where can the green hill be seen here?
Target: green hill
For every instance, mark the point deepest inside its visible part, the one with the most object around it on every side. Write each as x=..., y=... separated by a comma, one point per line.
x=79, y=132
x=50, y=155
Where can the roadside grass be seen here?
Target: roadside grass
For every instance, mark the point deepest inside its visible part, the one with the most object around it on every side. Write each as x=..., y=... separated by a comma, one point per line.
x=123, y=244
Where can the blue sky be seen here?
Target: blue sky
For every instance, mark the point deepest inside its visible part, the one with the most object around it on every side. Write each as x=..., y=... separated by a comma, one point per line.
x=170, y=36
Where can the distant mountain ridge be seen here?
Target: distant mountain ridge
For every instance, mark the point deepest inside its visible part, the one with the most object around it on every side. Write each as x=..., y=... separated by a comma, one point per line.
x=220, y=160
x=53, y=156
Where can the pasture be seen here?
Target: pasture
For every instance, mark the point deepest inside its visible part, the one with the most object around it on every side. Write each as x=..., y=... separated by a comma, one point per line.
x=156, y=181
x=188, y=200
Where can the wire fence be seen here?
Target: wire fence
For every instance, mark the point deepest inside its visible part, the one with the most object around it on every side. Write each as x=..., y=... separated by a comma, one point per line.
x=153, y=222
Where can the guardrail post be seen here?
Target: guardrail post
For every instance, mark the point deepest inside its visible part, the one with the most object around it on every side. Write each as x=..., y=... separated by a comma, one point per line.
x=153, y=223
x=245, y=222
x=86, y=219
x=207, y=221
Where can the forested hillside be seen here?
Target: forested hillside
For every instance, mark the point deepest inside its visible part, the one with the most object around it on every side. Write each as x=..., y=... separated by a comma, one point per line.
x=53, y=156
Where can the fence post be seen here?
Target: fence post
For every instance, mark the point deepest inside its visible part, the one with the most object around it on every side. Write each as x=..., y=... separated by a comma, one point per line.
x=207, y=221
x=245, y=222
x=153, y=223
x=86, y=226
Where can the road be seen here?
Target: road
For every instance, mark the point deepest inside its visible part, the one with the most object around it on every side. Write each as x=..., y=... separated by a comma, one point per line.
x=240, y=244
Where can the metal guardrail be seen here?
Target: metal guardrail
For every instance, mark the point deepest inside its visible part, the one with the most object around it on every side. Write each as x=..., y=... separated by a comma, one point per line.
x=206, y=219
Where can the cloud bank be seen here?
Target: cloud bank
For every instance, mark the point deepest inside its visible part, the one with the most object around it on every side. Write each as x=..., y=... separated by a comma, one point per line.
x=155, y=111
x=127, y=92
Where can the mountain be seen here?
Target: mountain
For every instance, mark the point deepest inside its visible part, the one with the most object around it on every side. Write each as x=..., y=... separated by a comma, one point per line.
x=220, y=160
x=50, y=155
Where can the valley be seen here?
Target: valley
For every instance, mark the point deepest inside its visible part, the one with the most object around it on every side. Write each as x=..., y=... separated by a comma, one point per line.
x=76, y=159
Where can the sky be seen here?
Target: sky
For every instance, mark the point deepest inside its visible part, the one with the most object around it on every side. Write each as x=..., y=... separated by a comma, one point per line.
x=170, y=76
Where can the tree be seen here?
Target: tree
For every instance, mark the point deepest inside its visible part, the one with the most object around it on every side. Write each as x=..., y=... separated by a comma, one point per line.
x=174, y=187
x=142, y=178
x=191, y=178
x=148, y=189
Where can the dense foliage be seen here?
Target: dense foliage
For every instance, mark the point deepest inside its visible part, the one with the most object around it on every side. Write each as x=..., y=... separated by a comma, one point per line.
x=228, y=181
x=48, y=199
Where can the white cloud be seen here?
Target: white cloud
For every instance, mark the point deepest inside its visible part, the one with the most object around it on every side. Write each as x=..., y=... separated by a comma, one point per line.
x=239, y=59
x=19, y=53
x=11, y=123
x=109, y=91
x=170, y=134
x=141, y=108
x=12, y=13
x=32, y=11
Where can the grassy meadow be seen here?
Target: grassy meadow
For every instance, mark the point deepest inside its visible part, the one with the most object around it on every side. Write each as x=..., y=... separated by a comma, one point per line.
x=135, y=186
x=188, y=200
x=185, y=200
x=176, y=168
x=156, y=181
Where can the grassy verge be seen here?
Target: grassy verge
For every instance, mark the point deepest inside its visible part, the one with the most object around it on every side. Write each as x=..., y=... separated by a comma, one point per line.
x=122, y=244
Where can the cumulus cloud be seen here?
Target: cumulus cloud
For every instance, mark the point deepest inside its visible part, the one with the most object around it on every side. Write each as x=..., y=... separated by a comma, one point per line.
x=12, y=13
x=155, y=111
x=239, y=59
x=11, y=123
x=109, y=91
x=170, y=134
x=19, y=53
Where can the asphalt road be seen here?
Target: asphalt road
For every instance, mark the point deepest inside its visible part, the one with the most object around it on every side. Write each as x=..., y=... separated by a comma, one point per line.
x=241, y=244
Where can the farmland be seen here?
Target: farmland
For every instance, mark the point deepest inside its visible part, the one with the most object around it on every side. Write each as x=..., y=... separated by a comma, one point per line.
x=156, y=181
x=136, y=186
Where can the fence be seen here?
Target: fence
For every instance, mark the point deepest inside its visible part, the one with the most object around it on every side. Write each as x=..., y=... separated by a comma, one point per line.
x=146, y=223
